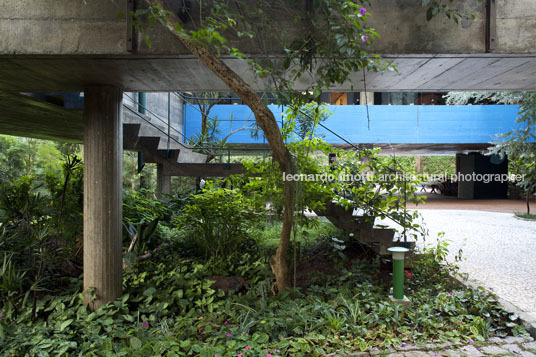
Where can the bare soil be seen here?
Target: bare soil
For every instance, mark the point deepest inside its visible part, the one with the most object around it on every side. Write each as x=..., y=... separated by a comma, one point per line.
x=437, y=201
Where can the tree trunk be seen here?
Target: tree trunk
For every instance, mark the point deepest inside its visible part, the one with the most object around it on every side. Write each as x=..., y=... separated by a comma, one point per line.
x=266, y=121
x=418, y=164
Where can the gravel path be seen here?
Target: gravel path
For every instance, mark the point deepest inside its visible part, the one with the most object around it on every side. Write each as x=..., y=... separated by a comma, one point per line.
x=499, y=250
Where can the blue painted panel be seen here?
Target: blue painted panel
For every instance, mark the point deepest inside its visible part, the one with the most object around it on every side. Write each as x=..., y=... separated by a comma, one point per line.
x=230, y=117
x=394, y=124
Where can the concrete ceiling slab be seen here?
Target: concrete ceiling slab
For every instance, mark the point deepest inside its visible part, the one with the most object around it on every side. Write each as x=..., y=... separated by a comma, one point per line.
x=185, y=73
x=24, y=116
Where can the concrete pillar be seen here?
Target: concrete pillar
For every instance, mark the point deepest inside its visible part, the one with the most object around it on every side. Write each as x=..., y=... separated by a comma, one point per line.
x=163, y=182
x=103, y=154
x=366, y=98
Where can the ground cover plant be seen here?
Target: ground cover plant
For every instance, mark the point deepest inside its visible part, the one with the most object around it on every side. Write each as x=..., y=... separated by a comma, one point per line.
x=169, y=308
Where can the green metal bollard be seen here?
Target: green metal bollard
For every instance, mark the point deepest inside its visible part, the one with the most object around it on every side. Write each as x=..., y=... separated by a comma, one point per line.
x=398, y=273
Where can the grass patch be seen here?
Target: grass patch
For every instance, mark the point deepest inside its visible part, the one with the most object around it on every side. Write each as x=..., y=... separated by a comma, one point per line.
x=531, y=217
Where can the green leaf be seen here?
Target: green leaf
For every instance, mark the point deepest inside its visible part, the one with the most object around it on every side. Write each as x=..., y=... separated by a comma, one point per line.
x=149, y=292
x=430, y=14
x=317, y=93
x=65, y=323
x=129, y=318
x=107, y=321
x=135, y=343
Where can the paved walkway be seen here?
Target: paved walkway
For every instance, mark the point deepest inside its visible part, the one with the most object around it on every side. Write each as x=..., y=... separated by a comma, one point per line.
x=509, y=346
x=499, y=250
x=436, y=201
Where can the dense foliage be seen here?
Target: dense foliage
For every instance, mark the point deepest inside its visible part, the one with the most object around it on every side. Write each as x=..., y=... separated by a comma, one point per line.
x=518, y=145
x=170, y=309
x=170, y=305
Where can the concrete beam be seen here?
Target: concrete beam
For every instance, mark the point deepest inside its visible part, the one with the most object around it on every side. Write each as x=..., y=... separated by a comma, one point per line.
x=418, y=73
x=103, y=153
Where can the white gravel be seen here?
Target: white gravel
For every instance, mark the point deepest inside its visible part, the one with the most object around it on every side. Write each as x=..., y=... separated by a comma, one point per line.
x=499, y=250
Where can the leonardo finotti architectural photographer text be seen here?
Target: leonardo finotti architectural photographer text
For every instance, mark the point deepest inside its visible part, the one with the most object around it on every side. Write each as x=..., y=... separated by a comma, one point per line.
x=328, y=177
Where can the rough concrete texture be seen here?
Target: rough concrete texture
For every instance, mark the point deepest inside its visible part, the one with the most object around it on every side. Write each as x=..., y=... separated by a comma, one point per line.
x=516, y=26
x=103, y=153
x=70, y=44
x=91, y=27
x=62, y=27
x=404, y=29
x=402, y=25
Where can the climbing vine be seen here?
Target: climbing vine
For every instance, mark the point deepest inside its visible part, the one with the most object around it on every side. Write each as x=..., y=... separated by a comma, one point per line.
x=452, y=9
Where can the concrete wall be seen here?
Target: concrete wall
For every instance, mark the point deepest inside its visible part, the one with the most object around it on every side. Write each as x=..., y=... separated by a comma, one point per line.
x=62, y=27
x=91, y=27
x=516, y=26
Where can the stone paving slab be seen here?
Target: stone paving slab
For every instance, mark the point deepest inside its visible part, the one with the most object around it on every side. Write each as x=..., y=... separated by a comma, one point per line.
x=509, y=346
x=497, y=250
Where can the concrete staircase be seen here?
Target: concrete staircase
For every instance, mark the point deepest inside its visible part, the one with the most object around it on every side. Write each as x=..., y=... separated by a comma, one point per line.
x=150, y=138
x=362, y=227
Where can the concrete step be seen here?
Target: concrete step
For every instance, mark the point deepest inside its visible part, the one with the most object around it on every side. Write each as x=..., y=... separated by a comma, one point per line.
x=190, y=157
x=381, y=248
x=379, y=235
x=142, y=134
x=148, y=144
x=169, y=154
x=130, y=136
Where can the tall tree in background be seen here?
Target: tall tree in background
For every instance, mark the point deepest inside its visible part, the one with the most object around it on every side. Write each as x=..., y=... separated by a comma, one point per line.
x=518, y=144
x=462, y=98
x=520, y=147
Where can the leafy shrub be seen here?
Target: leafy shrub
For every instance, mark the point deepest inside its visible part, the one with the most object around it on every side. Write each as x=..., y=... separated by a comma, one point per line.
x=40, y=233
x=217, y=221
x=141, y=205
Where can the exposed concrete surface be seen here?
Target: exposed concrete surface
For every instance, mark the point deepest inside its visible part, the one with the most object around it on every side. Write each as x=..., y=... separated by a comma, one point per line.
x=103, y=165
x=84, y=43
x=415, y=73
x=92, y=27
x=157, y=110
x=516, y=26
x=24, y=116
x=62, y=27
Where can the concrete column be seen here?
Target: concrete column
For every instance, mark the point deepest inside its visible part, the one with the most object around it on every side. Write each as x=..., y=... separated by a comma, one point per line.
x=163, y=182
x=366, y=98
x=103, y=154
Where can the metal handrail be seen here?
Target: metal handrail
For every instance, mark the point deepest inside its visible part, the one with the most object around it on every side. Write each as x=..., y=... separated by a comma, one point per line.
x=154, y=126
x=216, y=148
x=156, y=116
